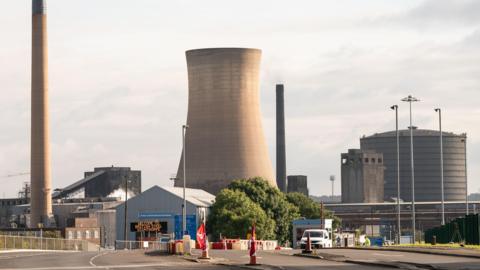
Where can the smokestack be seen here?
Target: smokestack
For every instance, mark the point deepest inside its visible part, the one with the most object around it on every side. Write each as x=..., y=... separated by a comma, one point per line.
x=281, y=162
x=41, y=197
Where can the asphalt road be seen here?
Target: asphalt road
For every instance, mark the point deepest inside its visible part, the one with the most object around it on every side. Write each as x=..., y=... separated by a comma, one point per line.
x=228, y=260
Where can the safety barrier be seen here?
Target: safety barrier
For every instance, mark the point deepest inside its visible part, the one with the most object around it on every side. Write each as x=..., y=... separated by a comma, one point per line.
x=146, y=245
x=24, y=242
x=243, y=244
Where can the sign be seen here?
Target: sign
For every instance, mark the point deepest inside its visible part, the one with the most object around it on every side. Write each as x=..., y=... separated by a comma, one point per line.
x=149, y=226
x=191, y=227
x=154, y=215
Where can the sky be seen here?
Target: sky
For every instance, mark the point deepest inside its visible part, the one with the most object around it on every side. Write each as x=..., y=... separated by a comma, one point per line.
x=118, y=78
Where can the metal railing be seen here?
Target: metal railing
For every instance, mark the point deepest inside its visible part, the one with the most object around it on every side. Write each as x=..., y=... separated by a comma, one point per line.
x=146, y=245
x=25, y=242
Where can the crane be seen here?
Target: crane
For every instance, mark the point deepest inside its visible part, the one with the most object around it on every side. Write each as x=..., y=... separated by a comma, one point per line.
x=15, y=174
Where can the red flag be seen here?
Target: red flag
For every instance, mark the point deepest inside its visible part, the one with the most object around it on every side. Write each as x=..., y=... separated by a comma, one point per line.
x=253, y=245
x=202, y=237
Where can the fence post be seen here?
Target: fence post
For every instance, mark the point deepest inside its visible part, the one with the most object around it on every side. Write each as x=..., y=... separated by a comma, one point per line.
x=13, y=242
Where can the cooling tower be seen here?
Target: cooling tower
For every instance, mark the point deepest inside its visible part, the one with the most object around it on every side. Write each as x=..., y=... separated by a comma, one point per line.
x=41, y=198
x=224, y=140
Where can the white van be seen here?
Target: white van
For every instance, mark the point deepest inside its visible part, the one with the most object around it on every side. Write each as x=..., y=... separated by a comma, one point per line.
x=319, y=238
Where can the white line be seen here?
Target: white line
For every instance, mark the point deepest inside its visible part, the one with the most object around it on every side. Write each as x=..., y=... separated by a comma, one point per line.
x=96, y=256
x=134, y=266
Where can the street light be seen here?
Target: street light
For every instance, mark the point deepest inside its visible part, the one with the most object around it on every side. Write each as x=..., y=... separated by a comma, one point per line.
x=411, y=99
x=184, y=206
x=125, y=214
x=399, y=234
x=441, y=163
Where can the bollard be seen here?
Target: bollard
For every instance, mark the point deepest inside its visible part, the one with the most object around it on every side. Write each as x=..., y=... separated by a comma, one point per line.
x=308, y=245
x=253, y=253
x=434, y=240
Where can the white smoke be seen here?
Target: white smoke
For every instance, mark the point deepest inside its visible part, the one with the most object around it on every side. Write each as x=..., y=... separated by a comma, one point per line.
x=120, y=193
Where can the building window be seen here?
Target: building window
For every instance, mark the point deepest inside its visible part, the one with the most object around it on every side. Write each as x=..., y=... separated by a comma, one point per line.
x=70, y=234
x=79, y=234
x=379, y=160
x=366, y=160
x=344, y=161
x=96, y=235
x=373, y=160
x=87, y=234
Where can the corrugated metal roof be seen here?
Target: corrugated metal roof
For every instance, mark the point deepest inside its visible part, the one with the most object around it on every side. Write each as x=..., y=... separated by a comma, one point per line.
x=197, y=197
x=416, y=132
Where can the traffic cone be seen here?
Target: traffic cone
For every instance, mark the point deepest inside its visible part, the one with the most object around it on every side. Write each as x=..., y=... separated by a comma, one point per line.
x=308, y=246
x=205, y=252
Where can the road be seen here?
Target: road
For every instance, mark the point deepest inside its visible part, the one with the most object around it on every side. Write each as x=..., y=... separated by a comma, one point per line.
x=224, y=260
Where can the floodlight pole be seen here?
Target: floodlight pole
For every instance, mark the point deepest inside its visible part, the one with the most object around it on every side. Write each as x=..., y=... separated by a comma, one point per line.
x=411, y=99
x=184, y=206
x=441, y=163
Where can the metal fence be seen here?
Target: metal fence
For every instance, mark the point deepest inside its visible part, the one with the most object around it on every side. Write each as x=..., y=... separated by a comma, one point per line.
x=147, y=245
x=466, y=230
x=24, y=242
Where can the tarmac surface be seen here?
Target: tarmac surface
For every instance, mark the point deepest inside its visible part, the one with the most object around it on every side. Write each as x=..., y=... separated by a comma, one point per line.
x=341, y=259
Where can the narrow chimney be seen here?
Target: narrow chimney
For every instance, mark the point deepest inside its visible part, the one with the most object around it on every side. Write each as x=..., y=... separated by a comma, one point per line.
x=41, y=197
x=281, y=159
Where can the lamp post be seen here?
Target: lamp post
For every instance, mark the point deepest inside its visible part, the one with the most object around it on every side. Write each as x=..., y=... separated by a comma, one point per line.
x=125, y=214
x=464, y=140
x=184, y=206
x=441, y=163
x=411, y=99
x=399, y=231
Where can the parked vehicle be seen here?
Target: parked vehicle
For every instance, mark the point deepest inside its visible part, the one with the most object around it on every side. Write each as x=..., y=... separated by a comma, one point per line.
x=319, y=238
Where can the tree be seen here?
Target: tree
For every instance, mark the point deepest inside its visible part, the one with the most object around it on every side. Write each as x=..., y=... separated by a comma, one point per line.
x=311, y=209
x=272, y=201
x=233, y=214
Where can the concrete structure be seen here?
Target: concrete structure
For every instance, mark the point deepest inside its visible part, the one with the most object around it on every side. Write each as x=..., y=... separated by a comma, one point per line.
x=297, y=183
x=281, y=155
x=426, y=153
x=41, y=203
x=104, y=182
x=225, y=139
x=163, y=205
x=381, y=218
x=362, y=176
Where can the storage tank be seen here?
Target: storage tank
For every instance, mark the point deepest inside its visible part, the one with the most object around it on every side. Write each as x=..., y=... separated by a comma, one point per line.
x=224, y=140
x=426, y=153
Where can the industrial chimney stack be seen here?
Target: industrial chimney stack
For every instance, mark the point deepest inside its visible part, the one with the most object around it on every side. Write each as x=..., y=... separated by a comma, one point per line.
x=41, y=197
x=281, y=158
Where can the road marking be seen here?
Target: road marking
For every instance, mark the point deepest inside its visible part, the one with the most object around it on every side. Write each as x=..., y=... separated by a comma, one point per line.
x=20, y=256
x=96, y=256
x=133, y=266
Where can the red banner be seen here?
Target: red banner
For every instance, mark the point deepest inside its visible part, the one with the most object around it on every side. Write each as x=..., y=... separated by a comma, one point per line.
x=202, y=237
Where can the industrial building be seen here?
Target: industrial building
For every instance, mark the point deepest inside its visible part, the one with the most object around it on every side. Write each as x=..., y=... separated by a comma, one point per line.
x=426, y=154
x=103, y=182
x=297, y=183
x=224, y=140
x=379, y=219
x=159, y=209
x=362, y=176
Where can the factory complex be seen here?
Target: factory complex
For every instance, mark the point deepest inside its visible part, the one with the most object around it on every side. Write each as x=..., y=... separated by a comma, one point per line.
x=224, y=140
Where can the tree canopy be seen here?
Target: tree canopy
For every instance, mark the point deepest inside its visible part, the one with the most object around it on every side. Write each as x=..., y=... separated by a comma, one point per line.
x=233, y=214
x=310, y=209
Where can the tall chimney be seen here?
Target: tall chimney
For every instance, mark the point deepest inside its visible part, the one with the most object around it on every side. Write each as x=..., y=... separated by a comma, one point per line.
x=41, y=197
x=281, y=162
